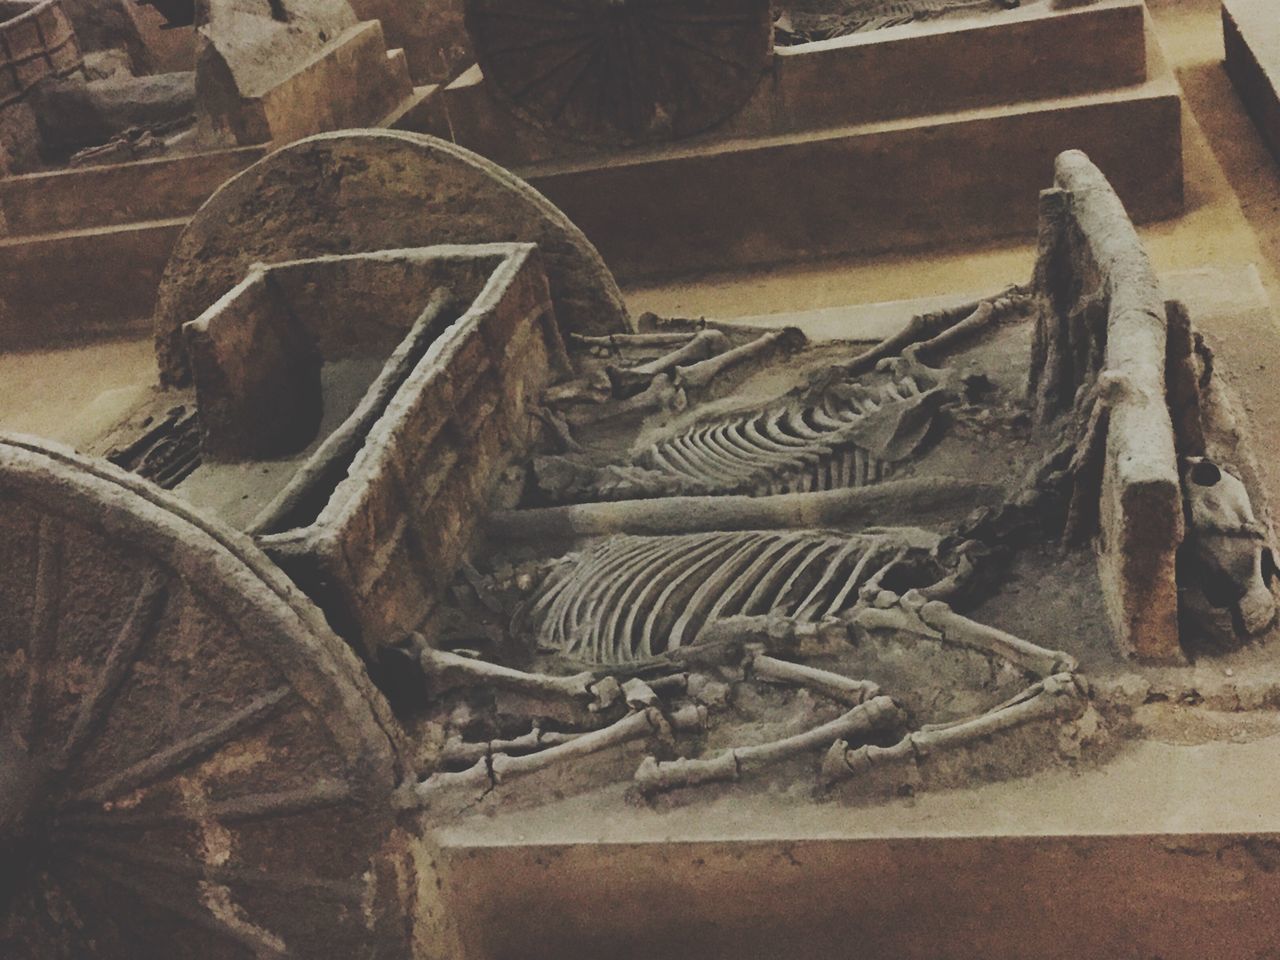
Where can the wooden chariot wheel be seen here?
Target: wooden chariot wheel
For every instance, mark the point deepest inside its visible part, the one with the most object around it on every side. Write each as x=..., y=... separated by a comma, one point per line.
x=622, y=71
x=191, y=763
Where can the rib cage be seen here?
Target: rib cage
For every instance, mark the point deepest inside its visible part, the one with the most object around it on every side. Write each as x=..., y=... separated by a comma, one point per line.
x=631, y=598
x=783, y=449
x=860, y=17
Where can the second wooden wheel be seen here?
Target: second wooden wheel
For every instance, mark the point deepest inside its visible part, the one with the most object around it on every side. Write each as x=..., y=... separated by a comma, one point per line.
x=622, y=71
x=192, y=765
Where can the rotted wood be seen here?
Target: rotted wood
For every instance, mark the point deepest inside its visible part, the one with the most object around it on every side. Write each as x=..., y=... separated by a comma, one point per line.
x=622, y=71
x=191, y=763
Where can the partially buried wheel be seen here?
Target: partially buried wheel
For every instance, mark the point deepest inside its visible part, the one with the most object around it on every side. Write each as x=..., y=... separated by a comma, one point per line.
x=355, y=191
x=191, y=763
x=622, y=71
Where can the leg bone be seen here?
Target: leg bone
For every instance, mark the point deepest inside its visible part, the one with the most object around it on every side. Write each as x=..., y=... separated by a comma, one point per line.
x=836, y=686
x=661, y=394
x=616, y=341
x=457, y=751
x=1057, y=696
x=961, y=630
x=446, y=671
x=699, y=375
x=642, y=724
x=705, y=344
x=875, y=716
x=924, y=327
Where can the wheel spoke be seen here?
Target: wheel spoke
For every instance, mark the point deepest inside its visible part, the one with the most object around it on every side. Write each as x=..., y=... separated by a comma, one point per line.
x=543, y=42
x=263, y=944
x=540, y=79
x=706, y=51
x=175, y=757
x=130, y=855
x=573, y=85
x=254, y=806
x=137, y=630
x=44, y=625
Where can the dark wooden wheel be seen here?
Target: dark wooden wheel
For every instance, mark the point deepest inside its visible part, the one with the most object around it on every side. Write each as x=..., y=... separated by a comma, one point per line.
x=191, y=763
x=622, y=71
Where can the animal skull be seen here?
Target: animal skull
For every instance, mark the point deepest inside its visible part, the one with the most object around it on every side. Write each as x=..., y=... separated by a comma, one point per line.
x=1227, y=558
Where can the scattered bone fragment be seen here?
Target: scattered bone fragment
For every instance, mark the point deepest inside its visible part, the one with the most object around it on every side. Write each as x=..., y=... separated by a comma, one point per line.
x=711, y=694
x=962, y=578
x=875, y=717
x=639, y=694
x=912, y=375
x=582, y=390
x=689, y=718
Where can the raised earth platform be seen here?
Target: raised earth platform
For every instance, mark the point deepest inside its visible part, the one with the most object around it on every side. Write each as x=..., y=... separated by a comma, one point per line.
x=81, y=250
x=1251, y=35
x=1167, y=849
x=895, y=139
